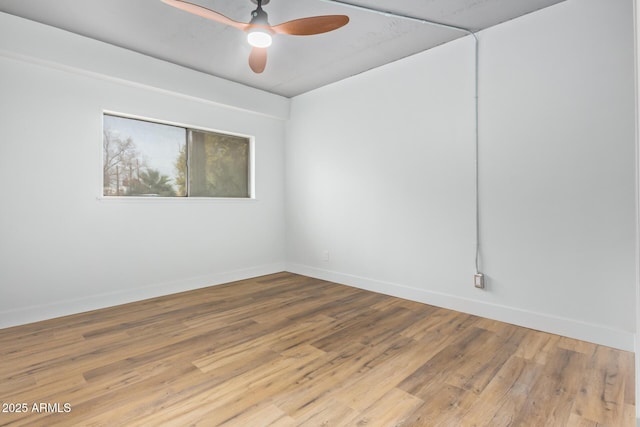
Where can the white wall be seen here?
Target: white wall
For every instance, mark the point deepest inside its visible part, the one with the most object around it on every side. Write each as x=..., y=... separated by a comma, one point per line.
x=62, y=250
x=379, y=172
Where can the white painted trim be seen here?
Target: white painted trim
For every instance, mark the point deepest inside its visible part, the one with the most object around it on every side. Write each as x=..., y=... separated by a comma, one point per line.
x=572, y=328
x=36, y=313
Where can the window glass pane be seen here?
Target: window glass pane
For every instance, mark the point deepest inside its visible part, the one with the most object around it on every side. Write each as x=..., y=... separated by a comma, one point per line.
x=141, y=158
x=218, y=165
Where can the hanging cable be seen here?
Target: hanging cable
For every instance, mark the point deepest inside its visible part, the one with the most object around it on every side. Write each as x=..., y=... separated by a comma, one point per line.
x=477, y=151
x=476, y=73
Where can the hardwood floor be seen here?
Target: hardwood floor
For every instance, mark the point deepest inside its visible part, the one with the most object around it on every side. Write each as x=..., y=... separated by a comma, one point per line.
x=288, y=350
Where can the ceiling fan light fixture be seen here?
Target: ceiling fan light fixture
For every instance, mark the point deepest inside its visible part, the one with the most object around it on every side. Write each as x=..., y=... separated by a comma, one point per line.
x=259, y=38
x=259, y=31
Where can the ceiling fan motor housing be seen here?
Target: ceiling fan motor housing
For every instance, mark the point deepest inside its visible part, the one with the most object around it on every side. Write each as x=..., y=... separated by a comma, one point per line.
x=259, y=17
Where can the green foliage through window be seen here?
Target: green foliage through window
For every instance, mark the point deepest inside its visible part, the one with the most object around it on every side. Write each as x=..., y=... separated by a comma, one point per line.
x=142, y=158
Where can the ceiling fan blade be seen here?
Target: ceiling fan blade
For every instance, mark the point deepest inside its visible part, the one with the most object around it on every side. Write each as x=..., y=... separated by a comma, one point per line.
x=258, y=59
x=205, y=13
x=312, y=25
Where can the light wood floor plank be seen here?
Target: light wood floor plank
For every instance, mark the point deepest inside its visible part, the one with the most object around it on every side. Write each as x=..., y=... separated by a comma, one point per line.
x=551, y=399
x=288, y=350
x=504, y=396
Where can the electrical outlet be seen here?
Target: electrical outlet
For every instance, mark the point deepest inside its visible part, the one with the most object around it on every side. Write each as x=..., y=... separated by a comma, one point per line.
x=325, y=255
x=478, y=280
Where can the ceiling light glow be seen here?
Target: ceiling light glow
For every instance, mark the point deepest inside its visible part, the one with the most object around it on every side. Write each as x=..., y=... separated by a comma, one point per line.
x=259, y=38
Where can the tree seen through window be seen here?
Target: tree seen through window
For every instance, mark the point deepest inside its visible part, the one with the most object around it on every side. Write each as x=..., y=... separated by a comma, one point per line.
x=142, y=158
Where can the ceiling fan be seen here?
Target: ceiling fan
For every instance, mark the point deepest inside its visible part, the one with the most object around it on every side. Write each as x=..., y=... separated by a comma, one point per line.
x=259, y=30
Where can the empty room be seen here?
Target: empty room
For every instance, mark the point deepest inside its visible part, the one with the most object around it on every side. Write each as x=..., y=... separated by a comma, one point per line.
x=319, y=213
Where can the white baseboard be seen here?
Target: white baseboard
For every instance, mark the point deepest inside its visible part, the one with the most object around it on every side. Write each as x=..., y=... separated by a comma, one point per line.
x=571, y=328
x=540, y=321
x=24, y=315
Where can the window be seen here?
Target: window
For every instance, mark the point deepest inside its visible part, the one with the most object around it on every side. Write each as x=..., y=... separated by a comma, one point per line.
x=143, y=158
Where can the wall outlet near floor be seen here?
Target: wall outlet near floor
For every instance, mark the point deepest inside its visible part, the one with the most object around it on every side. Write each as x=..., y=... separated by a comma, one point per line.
x=325, y=255
x=478, y=280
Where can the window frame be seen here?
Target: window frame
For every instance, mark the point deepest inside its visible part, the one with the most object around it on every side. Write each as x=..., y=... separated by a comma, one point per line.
x=250, y=170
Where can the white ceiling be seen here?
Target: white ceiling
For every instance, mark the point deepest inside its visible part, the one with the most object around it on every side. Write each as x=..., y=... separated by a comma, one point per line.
x=296, y=64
